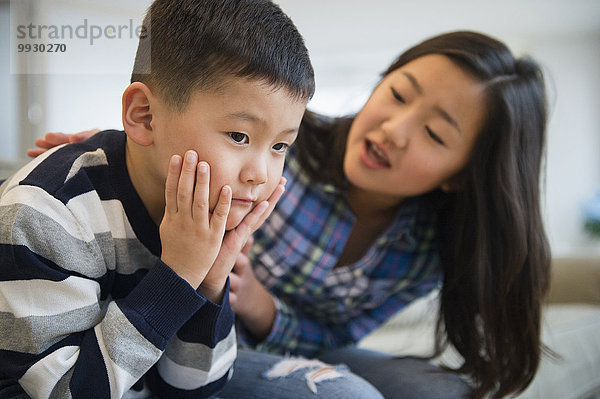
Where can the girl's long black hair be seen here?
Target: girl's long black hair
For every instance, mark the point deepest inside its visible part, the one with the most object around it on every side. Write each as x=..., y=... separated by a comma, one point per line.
x=492, y=242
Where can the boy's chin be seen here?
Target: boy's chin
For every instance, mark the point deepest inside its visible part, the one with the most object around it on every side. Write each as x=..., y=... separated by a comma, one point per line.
x=234, y=219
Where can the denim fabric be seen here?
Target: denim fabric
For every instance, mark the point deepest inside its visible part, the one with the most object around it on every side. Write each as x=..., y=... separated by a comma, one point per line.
x=249, y=381
x=400, y=377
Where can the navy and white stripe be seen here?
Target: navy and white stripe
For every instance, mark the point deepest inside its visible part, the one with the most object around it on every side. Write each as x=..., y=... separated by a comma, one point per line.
x=87, y=309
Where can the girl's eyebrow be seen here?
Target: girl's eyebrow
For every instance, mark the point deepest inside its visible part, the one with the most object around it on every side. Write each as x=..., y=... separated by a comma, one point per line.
x=415, y=84
x=413, y=81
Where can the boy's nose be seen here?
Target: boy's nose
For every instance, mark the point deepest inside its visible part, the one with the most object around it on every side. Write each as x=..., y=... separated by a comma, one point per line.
x=255, y=171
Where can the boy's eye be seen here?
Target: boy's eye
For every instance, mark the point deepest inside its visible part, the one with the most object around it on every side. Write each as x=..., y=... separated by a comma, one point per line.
x=397, y=96
x=280, y=147
x=434, y=136
x=239, y=138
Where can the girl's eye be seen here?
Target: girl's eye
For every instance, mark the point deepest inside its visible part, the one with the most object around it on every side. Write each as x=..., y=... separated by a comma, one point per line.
x=434, y=136
x=239, y=138
x=280, y=147
x=397, y=96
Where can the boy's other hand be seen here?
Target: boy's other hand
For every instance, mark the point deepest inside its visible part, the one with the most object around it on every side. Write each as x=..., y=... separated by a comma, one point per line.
x=273, y=199
x=214, y=283
x=190, y=236
x=234, y=241
x=249, y=299
x=51, y=140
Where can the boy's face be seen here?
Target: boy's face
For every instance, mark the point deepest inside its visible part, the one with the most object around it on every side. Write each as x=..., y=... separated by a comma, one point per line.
x=242, y=130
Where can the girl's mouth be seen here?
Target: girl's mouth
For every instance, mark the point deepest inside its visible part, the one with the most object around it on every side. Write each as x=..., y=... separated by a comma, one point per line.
x=373, y=156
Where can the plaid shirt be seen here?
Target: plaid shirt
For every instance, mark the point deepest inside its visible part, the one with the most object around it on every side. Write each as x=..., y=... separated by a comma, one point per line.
x=321, y=307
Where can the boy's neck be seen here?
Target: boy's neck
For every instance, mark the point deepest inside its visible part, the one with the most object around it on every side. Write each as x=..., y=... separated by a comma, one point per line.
x=145, y=181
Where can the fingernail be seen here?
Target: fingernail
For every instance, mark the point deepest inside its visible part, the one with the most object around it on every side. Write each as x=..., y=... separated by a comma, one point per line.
x=190, y=156
x=203, y=167
x=284, y=182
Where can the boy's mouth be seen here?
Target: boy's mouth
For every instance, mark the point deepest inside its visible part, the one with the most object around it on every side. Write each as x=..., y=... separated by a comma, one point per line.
x=243, y=201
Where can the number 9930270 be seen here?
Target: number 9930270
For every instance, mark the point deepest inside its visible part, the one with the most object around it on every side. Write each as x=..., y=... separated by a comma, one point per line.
x=41, y=48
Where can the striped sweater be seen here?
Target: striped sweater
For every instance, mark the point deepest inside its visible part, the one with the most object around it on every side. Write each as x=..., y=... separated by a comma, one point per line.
x=87, y=309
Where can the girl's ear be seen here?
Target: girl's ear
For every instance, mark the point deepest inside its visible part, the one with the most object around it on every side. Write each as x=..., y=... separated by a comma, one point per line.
x=453, y=184
x=137, y=113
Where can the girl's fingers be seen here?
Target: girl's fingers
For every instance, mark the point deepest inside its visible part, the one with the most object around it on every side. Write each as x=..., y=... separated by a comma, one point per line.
x=234, y=282
x=201, y=207
x=241, y=263
x=187, y=179
x=82, y=136
x=43, y=143
x=34, y=152
x=172, y=183
x=54, y=139
x=221, y=211
x=233, y=300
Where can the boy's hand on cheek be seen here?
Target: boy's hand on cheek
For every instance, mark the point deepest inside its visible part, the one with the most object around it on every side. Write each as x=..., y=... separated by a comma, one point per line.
x=190, y=236
x=234, y=240
x=273, y=199
x=249, y=299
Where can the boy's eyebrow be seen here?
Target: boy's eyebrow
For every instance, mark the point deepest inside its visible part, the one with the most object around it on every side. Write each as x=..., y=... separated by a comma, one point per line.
x=437, y=109
x=245, y=116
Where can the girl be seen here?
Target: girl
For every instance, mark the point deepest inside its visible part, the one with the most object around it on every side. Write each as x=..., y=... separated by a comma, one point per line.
x=434, y=183
x=435, y=180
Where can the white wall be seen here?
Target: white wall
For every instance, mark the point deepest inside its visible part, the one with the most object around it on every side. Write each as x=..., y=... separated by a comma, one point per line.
x=352, y=41
x=573, y=158
x=9, y=143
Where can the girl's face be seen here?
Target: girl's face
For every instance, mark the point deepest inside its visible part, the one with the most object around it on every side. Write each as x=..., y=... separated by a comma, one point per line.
x=416, y=131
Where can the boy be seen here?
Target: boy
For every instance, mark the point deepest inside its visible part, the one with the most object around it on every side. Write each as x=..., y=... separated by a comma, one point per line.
x=95, y=298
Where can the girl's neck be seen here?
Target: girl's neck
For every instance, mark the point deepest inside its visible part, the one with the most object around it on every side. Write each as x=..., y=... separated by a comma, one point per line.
x=372, y=208
x=374, y=212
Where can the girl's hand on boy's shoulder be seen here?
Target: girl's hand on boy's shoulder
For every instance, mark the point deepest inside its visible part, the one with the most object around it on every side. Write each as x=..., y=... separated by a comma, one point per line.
x=51, y=140
x=190, y=235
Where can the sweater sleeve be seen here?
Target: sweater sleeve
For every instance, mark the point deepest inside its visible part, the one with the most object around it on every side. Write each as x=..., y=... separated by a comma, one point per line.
x=198, y=360
x=61, y=335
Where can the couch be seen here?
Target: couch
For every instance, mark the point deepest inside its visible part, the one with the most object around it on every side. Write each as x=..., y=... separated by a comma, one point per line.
x=571, y=330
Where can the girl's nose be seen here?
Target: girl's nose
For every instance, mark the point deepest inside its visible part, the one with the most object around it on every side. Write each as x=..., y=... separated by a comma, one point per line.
x=398, y=128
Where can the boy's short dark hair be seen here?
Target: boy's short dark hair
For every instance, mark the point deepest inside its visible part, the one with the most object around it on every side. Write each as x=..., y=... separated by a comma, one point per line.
x=195, y=44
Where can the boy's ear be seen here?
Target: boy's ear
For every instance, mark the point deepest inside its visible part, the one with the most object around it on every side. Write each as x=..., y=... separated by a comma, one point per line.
x=137, y=113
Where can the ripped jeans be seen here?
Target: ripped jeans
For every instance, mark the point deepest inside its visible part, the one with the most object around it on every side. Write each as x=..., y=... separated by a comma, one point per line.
x=258, y=375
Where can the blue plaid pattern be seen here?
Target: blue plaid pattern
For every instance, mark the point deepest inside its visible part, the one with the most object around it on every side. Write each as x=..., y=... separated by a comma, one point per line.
x=321, y=307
